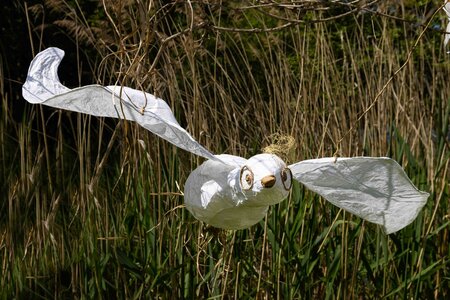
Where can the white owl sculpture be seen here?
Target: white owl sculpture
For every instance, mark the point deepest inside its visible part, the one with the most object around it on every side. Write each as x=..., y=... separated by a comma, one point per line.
x=232, y=192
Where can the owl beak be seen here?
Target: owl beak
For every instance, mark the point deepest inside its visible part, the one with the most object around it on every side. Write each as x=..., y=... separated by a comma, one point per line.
x=268, y=181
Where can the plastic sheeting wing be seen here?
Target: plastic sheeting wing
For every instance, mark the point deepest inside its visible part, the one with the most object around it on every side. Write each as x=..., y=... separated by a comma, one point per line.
x=375, y=189
x=43, y=86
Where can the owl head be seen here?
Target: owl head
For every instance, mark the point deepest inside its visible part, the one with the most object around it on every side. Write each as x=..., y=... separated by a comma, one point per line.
x=267, y=177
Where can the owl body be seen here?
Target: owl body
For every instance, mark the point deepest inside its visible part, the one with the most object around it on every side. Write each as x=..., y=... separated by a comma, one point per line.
x=237, y=194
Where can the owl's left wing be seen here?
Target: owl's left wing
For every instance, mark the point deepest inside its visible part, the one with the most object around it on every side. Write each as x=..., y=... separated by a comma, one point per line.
x=43, y=86
x=375, y=189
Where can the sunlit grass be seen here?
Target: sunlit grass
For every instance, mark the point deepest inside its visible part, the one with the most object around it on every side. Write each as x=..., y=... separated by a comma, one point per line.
x=94, y=208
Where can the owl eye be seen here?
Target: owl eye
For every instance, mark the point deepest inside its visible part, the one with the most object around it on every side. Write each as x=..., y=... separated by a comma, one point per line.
x=246, y=178
x=286, y=178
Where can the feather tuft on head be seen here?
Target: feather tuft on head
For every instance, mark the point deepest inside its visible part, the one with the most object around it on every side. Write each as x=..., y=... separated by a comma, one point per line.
x=282, y=146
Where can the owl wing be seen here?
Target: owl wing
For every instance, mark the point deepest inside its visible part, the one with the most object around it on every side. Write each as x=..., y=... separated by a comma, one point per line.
x=375, y=189
x=43, y=86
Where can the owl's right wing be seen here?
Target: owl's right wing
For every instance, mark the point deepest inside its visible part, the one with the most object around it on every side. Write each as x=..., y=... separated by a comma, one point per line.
x=375, y=189
x=43, y=86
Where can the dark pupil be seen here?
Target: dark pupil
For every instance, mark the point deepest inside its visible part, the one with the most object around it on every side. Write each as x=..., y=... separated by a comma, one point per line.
x=248, y=178
x=284, y=175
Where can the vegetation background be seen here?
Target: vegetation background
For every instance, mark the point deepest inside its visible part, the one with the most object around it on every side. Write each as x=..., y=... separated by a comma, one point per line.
x=93, y=208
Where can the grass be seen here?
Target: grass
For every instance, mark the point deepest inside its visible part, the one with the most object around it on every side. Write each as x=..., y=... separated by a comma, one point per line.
x=93, y=208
